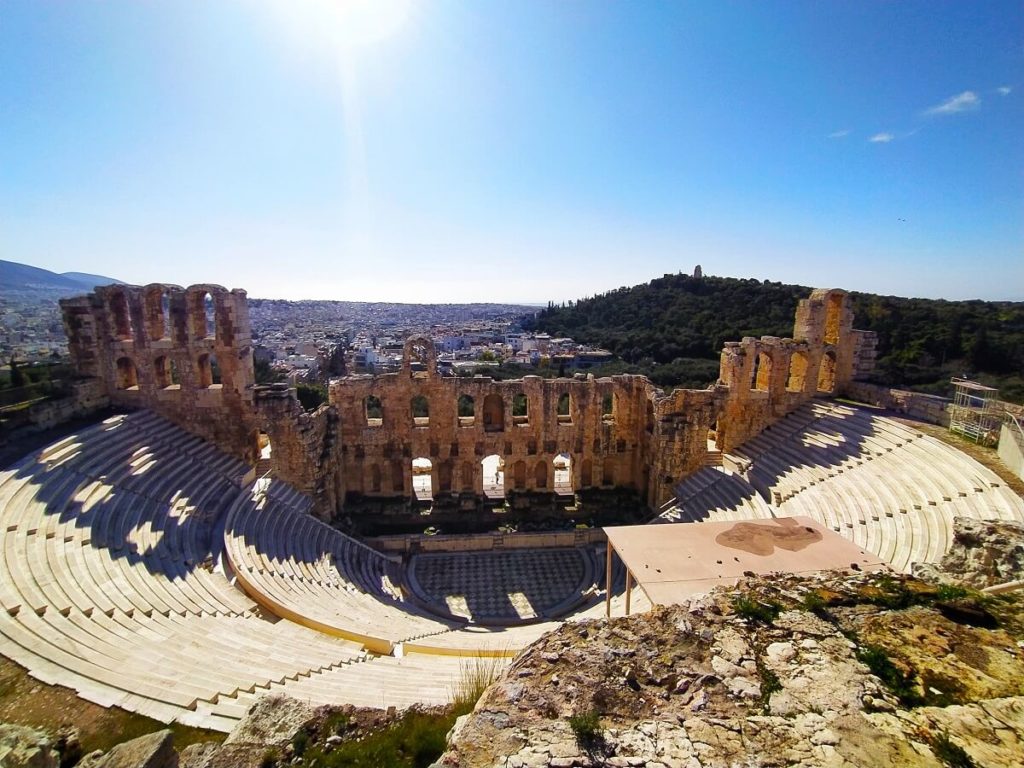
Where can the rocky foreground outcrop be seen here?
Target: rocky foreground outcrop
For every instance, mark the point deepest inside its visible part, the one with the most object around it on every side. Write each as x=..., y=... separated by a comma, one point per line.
x=984, y=553
x=849, y=670
x=839, y=670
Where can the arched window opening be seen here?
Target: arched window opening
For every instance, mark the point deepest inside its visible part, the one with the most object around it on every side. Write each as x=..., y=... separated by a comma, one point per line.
x=762, y=374
x=444, y=477
x=494, y=413
x=154, y=311
x=263, y=445
x=540, y=475
x=420, y=411
x=827, y=373
x=519, y=475
x=467, y=411
x=166, y=372
x=127, y=376
x=122, y=317
x=202, y=316
x=563, y=410
x=608, y=472
x=209, y=371
x=375, y=478
x=397, y=478
x=563, y=473
x=608, y=409
x=493, y=467
x=422, y=482
x=833, y=312
x=797, y=372
x=374, y=411
x=586, y=473
x=209, y=317
x=520, y=409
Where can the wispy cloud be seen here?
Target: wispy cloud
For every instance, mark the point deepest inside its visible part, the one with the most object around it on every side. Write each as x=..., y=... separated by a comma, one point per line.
x=1004, y=90
x=962, y=102
x=839, y=134
x=881, y=138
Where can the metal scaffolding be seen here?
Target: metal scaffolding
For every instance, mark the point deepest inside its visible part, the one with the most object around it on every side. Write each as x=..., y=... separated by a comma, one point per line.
x=973, y=413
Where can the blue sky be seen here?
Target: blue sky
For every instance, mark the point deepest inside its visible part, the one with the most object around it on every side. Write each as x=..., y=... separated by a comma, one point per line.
x=525, y=151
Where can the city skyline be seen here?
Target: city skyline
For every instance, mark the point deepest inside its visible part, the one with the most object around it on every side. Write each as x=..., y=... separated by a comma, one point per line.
x=443, y=152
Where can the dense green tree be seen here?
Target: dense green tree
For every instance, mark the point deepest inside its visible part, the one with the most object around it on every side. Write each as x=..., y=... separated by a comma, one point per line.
x=673, y=328
x=311, y=396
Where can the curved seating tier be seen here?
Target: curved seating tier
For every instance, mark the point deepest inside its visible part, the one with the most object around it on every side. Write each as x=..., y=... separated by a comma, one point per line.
x=306, y=571
x=110, y=585
x=503, y=587
x=891, y=489
x=111, y=580
x=713, y=494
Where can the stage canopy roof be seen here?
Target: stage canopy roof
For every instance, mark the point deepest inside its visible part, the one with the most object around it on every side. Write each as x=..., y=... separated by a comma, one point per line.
x=673, y=562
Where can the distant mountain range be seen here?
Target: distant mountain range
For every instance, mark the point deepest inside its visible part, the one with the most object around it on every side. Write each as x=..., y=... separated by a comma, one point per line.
x=21, y=278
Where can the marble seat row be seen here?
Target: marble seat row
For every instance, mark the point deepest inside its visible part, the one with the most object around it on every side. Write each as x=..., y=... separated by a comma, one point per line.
x=303, y=570
x=887, y=487
x=713, y=493
x=107, y=584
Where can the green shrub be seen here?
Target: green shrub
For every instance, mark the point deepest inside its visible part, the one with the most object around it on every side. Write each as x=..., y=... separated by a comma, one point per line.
x=950, y=592
x=475, y=677
x=902, y=684
x=755, y=610
x=299, y=742
x=769, y=684
x=414, y=741
x=311, y=396
x=586, y=726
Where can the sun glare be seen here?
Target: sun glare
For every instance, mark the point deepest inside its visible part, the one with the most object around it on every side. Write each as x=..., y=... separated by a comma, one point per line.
x=349, y=25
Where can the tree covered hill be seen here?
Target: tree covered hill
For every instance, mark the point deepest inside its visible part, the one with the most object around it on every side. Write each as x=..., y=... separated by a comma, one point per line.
x=673, y=328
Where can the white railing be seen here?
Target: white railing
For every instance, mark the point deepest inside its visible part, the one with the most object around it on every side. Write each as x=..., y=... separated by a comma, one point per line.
x=1015, y=428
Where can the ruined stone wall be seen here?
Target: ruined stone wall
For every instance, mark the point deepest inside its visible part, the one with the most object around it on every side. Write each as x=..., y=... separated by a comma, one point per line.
x=615, y=431
x=679, y=443
x=769, y=377
x=304, y=446
x=865, y=353
x=917, y=405
x=185, y=353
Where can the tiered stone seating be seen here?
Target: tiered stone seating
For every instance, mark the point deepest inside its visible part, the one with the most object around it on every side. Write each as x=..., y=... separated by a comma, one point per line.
x=109, y=585
x=111, y=578
x=714, y=493
x=891, y=489
x=306, y=571
x=503, y=587
x=310, y=573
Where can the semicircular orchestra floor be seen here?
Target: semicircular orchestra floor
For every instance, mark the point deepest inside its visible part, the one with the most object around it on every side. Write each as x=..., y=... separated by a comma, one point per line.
x=504, y=586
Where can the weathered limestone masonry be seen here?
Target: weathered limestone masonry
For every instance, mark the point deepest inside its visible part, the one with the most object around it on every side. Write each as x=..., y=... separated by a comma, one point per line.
x=186, y=353
x=617, y=432
x=304, y=445
x=769, y=377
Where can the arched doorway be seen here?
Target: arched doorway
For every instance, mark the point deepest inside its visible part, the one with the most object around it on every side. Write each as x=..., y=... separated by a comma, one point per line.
x=422, y=482
x=494, y=476
x=563, y=473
